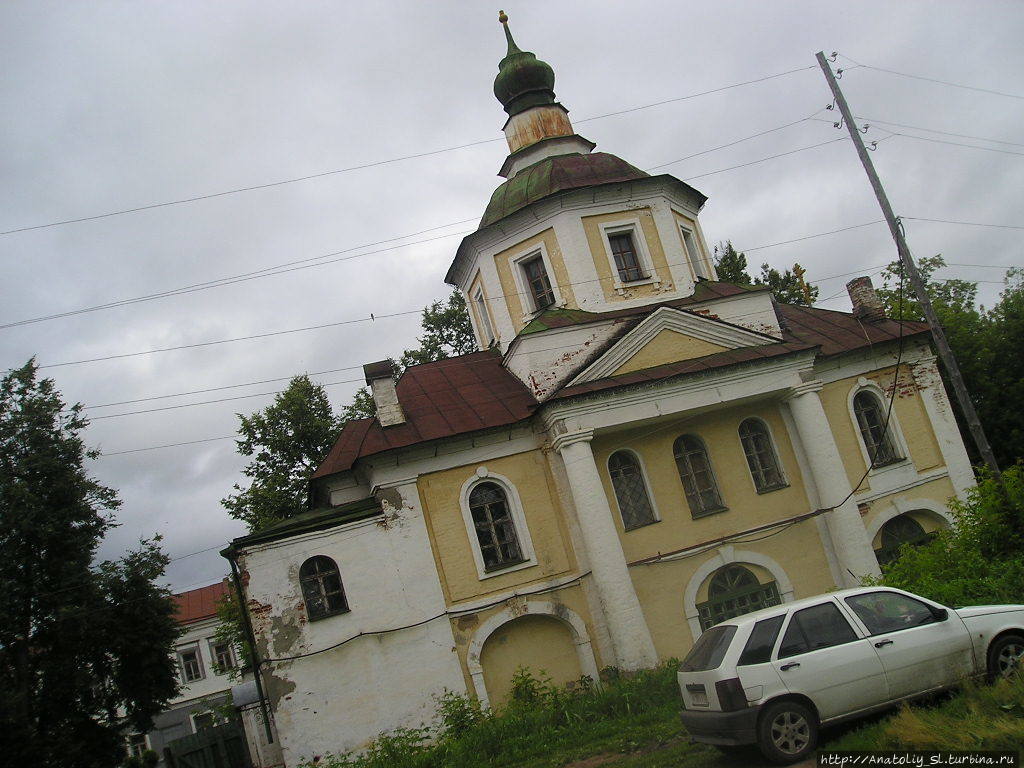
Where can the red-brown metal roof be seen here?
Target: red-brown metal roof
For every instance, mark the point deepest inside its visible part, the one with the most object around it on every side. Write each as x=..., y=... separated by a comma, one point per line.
x=441, y=399
x=198, y=604
x=474, y=392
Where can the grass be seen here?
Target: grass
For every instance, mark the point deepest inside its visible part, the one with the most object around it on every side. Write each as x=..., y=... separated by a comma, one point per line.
x=627, y=721
x=978, y=717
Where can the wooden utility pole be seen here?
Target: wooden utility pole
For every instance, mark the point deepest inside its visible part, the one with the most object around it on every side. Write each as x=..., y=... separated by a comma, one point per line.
x=941, y=343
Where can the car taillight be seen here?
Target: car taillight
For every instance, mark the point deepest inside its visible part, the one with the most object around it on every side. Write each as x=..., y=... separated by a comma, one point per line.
x=730, y=694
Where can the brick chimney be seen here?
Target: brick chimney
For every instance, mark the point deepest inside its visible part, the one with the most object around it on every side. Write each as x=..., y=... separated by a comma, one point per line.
x=381, y=378
x=867, y=307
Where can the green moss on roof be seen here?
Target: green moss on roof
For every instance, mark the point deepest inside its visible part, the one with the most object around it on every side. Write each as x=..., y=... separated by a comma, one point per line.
x=565, y=316
x=311, y=520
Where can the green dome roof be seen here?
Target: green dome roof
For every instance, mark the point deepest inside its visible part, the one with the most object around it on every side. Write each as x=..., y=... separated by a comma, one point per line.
x=523, y=80
x=557, y=174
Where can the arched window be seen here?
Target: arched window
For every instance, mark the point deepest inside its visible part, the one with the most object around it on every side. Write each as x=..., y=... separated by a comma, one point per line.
x=495, y=529
x=630, y=490
x=901, y=530
x=871, y=418
x=761, y=457
x=733, y=591
x=698, y=479
x=321, y=588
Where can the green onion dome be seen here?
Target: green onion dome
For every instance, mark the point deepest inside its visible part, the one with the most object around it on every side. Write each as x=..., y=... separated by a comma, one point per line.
x=523, y=80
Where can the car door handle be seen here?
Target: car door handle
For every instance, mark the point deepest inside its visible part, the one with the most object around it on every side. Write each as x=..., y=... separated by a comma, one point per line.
x=791, y=664
x=883, y=643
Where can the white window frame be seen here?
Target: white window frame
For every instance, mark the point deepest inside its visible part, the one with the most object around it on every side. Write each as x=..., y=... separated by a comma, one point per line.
x=181, y=663
x=217, y=719
x=647, y=486
x=895, y=432
x=633, y=227
x=699, y=258
x=145, y=744
x=479, y=298
x=519, y=275
x=483, y=475
x=213, y=643
x=775, y=451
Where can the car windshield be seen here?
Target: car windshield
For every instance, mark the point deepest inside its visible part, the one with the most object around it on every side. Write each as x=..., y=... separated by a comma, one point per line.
x=709, y=650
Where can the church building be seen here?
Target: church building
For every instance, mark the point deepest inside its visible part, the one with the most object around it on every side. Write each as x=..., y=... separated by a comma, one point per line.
x=636, y=452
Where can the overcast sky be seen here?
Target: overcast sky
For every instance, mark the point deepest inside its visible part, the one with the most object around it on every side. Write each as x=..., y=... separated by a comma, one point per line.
x=111, y=106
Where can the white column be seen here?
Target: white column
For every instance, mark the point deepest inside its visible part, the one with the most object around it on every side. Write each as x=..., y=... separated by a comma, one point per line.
x=850, y=539
x=634, y=648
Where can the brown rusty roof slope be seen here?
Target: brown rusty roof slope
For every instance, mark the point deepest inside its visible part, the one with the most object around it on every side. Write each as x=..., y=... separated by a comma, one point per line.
x=804, y=328
x=198, y=604
x=441, y=399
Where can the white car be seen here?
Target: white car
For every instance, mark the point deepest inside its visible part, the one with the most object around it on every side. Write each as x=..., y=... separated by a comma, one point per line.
x=773, y=677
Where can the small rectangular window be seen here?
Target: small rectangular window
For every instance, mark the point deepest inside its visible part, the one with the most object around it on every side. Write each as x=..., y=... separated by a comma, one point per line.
x=485, y=321
x=627, y=262
x=759, y=645
x=191, y=665
x=693, y=254
x=538, y=283
x=204, y=721
x=811, y=629
x=137, y=744
x=223, y=658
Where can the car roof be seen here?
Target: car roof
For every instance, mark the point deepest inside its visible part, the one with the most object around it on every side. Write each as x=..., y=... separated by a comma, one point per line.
x=766, y=613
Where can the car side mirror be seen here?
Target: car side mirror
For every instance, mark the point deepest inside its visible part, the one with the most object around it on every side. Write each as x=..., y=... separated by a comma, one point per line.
x=940, y=614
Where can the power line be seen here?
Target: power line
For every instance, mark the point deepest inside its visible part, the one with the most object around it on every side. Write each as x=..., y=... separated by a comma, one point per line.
x=169, y=445
x=958, y=144
x=963, y=223
x=944, y=133
x=281, y=182
x=763, y=159
x=369, y=319
x=935, y=80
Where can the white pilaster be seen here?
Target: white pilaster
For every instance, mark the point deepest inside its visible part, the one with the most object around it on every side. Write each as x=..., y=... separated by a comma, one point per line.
x=634, y=648
x=947, y=433
x=856, y=559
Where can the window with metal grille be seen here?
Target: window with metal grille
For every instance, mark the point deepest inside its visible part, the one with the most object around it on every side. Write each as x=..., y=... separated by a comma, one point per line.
x=191, y=665
x=899, y=531
x=630, y=490
x=761, y=457
x=322, y=590
x=495, y=529
x=538, y=282
x=734, y=591
x=697, y=476
x=871, y=418
x=627, y=262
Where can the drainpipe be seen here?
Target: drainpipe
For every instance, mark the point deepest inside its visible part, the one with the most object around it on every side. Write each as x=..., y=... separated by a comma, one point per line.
x=251, y=639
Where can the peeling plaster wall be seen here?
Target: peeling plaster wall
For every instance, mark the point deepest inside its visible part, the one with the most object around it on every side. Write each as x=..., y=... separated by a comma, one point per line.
x=340, y=699
x=545, y=361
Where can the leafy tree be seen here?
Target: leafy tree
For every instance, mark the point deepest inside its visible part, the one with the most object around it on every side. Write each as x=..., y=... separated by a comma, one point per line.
x=447, y=332
x=1001, y=365
x=361, y=407
x=85, y=649
x=787, y=286
x=731, y=265
x=286, y=440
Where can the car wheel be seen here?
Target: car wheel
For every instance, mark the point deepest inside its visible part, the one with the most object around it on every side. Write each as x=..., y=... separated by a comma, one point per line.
x=1004, y=656
x=787, y=731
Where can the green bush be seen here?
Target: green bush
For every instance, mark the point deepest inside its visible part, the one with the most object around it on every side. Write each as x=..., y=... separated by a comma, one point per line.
x=539, y=718
x=980, y=559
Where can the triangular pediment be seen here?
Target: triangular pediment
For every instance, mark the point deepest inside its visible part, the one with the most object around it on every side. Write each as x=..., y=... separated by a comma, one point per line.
x=669, y=335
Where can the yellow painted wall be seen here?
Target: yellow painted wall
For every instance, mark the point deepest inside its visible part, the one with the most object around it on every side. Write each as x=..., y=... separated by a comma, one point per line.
x=503, y=262
x=939, y=490
x=450, y=540
x=746, y=507
x=668, y=347
x=599, y=252
x=661, y=587
x=543, y=644
x=909, y=411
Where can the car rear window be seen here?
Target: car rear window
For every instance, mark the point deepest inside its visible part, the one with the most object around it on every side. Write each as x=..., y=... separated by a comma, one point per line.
x=709, y=650
x=759, y=646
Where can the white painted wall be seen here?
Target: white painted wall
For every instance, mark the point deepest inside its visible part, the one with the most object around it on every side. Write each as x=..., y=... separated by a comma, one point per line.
x=340, y=699
x=198, y=635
